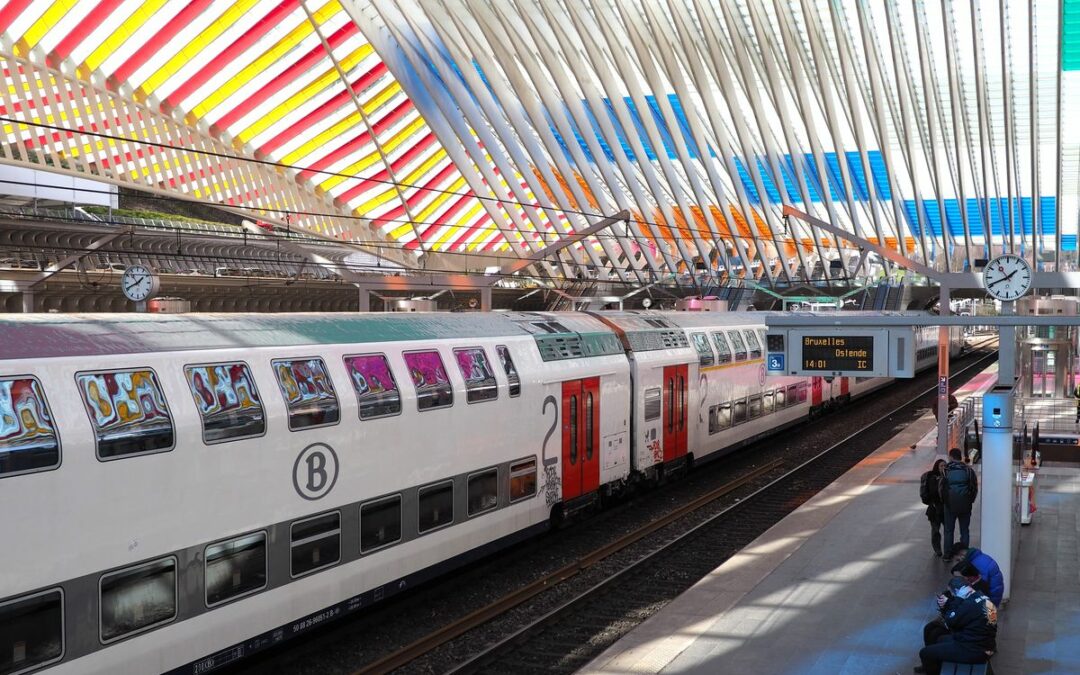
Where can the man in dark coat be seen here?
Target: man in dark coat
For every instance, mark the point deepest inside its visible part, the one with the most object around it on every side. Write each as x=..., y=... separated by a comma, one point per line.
x=959, y=487
x=982, y=573
x=971, y=622
x=930, y=493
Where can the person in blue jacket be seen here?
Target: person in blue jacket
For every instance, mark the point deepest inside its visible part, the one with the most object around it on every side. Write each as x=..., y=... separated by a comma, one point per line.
x=969, y=629
x=982, y=573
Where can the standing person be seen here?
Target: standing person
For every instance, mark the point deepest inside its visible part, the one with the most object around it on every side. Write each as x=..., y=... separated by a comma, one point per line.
x=965, y=631
x=982, y=573
x=1076, y=395
x=959, y=487
x=930, y=493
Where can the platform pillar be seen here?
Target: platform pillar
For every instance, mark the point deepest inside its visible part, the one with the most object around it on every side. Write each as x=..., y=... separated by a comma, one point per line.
x=485, y=298
x=997, y=479
x=365, y=300
x=943, y=375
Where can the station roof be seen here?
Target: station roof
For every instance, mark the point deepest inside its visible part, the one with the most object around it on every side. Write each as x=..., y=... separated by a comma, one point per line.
x=431, y=132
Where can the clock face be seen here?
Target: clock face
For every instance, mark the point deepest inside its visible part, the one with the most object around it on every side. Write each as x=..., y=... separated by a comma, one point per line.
x=138, y=283
x=1007, y=277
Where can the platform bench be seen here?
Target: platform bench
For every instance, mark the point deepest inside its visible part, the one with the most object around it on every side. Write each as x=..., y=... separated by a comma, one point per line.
x=950, y=668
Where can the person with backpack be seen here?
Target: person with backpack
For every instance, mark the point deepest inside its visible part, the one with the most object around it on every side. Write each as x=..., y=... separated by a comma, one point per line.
x=930, y=493
x=965, y=630
x=959, y=487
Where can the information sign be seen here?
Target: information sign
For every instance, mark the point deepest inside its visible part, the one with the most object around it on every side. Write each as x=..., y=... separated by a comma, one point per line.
x=776, y=362
x=834, y=353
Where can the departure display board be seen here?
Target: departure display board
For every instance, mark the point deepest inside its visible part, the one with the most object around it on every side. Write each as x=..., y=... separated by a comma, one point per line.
x=835, y=353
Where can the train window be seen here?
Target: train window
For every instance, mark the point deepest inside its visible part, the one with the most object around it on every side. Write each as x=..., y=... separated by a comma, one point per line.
x=800, y=390
x=380, y=523
x=752, y=344
x=523, y=480
x=573, y=429
x=737, y=345
x=235, y=568
x=792, y=394
x=28, y=438
x=768, y=402
x=755, y=406
x=719, y=417
x=705, y=352
x=429, y=377
x=589, y=426
x=138, y=598
x=129, y=412
x=483, y=491
x=436, y=506
x=31, y=631
x=652, y=404
x=740, y=412
x=476, y=371
x=315, y=543
x=781, y=398
x=308, y=391
x=227, y=400
x=511, y=372
x=376, y=390
x=723, y=350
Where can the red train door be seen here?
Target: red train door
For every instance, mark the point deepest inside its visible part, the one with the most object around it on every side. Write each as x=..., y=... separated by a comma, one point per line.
x=675, y=411
x=581, y=437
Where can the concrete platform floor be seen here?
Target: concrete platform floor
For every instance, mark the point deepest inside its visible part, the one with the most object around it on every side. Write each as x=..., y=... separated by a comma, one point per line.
x=845, y=584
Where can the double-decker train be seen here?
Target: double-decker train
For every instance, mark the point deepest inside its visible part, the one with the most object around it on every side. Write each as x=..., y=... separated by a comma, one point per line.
x=180, y=491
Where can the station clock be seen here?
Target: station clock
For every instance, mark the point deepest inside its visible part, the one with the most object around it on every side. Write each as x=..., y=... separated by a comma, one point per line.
x=139, y=283
x=1007, y=277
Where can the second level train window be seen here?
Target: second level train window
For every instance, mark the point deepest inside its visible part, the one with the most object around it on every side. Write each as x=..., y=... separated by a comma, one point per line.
x=138, y=598
x=315, y=543
x=652, y=404
x=523, y=480
x=308, y=392
x=227, y=400
x=31, y=631
x=476, y=371
x=28, y=439
x=705, y=352
x=483, y=491
x=511, y=372
x=376, y=391
x=753, y=344
x=129, y=412
x=737, y=345
x=235, y=568
x=380, y=523
x=723, y=351
x=436, y=506
x=429, y=377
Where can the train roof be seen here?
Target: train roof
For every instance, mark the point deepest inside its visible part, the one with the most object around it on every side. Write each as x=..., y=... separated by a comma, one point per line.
x=56, y=335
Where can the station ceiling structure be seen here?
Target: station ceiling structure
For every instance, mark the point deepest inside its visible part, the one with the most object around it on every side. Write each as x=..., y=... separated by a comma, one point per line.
x=447, y=134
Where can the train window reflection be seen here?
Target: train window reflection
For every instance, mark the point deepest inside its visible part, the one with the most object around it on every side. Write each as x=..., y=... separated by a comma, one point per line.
x=476, y=371
x=227, y=400
x=138, y=598
x=315, y=543
x=429, y=377
x=800, y=390
x=769, y=401
x=129, y=412
x=31, y=631
x=652, y=404
x=28, y=439
x=483, y=491
x=523, y=480
x=380, y=523
x=511, y=371
x=436, y=506
x=719, y=418
x=377, y=394
x=308, y=392
x=740, y=412
x=737, y=345
x=755, y=406
x=705, y=352
x=723, y=350
x=753, y=344
x=235, y=568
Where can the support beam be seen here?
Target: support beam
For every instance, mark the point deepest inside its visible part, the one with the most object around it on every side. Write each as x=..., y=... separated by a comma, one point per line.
x=537, y=256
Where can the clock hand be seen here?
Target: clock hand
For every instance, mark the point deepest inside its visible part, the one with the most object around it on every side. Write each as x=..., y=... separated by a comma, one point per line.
x=1004, y=278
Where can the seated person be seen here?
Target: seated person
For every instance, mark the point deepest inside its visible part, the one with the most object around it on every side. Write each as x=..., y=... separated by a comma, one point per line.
x=982, y=572
x=966, y=631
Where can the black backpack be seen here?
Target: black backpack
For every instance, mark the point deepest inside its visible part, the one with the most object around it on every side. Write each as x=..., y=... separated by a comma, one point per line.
x=925, y=488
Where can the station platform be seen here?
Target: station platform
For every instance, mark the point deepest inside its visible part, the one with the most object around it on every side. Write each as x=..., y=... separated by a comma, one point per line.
x=845, y=583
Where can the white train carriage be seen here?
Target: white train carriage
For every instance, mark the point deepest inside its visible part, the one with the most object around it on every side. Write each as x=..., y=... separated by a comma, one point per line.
x=183, y=490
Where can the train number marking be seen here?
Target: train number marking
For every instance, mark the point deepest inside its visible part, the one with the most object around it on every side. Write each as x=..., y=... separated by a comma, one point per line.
x=703, y=396
x=554, y=425
x=315, y=471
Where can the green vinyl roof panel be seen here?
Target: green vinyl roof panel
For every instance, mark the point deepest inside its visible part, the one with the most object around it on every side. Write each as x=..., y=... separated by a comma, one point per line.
x=51, y=335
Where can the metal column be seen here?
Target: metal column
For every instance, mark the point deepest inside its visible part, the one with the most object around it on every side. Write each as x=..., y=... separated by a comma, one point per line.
x=997, y=479
x=943, y=374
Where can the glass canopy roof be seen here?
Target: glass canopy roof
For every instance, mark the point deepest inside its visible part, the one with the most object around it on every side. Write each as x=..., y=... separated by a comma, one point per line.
x=447, y=133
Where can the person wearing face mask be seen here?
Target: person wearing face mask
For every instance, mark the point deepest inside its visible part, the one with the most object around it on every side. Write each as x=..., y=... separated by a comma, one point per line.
x=965, y=632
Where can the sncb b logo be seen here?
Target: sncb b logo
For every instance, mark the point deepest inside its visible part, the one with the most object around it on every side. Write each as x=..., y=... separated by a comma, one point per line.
x=315, y=471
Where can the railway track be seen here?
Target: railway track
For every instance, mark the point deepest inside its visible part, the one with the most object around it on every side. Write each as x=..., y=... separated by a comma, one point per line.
x=566, y=638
